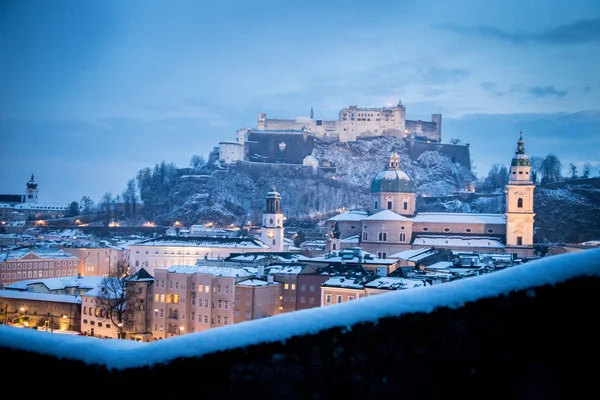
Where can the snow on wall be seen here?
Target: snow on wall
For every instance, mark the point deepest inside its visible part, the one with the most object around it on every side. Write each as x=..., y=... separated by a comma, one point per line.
x=121, y=354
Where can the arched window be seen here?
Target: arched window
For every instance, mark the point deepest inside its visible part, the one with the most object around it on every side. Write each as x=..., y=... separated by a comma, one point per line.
x=365, y=236
x=333, y=247
x=271, y=221
x=376, y=204
x=176, y=314
x=382, y=236
x=403, y=237
x=520, y=202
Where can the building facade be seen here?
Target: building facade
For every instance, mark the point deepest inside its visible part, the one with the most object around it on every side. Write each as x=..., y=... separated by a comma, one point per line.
x=36, y=263
x=354, y=122
x=394, y=225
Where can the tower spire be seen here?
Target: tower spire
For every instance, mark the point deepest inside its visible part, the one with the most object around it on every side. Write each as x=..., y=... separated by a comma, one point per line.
x=312, y=114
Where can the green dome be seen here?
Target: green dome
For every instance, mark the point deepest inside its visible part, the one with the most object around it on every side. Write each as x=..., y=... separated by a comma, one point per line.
x=395, y=181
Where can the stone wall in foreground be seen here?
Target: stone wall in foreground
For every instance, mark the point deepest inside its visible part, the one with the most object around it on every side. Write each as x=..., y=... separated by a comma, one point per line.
x=533, y=344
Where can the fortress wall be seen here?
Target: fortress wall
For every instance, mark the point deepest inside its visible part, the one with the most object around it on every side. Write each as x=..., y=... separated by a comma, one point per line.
x=458, y=153
x=279, y=147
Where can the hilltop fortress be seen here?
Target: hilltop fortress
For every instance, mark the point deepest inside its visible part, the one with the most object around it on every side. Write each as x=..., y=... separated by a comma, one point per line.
x=291, y=141
x=354, y=122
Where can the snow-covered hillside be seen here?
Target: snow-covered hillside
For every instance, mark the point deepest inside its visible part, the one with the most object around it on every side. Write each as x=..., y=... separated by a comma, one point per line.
x=237, y=194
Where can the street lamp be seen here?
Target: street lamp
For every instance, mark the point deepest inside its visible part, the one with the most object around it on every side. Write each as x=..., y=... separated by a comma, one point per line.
x=180, y=329
x=120, y=325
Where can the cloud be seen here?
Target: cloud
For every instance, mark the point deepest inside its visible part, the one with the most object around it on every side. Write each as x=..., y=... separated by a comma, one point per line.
x=546, y=91
x=582, y=31
x=492, y=88
x=535, y=91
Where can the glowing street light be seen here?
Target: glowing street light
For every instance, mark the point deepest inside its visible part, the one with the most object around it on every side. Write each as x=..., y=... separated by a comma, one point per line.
x=180, y=329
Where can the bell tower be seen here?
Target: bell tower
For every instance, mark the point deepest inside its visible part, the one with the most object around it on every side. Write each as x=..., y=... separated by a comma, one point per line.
x=519, y=204
x=272, y=228
x=31, y=193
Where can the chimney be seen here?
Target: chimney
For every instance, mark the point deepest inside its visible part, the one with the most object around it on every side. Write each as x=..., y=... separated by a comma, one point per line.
x=261, y=270
x=270, y=279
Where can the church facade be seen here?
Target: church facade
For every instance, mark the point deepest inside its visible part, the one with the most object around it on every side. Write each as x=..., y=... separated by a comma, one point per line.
x=393, y=223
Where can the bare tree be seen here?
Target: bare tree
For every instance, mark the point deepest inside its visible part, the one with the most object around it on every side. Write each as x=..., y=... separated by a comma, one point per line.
x=106, y=206
x=585, y=173
x=573, y=171
x=551, y=169
x=115, y=301
x=536, y=168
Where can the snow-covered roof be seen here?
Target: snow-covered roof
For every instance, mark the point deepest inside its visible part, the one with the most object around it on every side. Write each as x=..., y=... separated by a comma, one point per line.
x=354, y=239
x=59, y=283
x=256, y=282
x=344, y=282
x=458, y=241
x=346, y=256
x=195, y=241
x=41, y=207
x=122, y=354
x=284, y=269
x=215, y=271
x=277, y=257
x=420, y=256
x=47, y=254
x=49, y=297
x=352, y=215
x=394, y=283
x=387, y=215
x=407, y=254
x=461, y=218
x=440, y=265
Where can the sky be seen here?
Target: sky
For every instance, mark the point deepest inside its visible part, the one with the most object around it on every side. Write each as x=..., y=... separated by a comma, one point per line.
x=123, y=354
x=92, y=92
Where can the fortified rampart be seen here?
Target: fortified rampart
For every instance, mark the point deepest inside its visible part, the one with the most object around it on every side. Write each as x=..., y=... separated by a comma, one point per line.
x=458, y=153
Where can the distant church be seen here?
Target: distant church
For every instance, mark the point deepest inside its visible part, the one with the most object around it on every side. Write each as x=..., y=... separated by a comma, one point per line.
x=22, y=207
x=393, y=223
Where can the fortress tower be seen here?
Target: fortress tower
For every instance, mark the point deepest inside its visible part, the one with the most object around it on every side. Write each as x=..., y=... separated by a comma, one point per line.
x=272, y=228
x=31, y=192
x=519, y=204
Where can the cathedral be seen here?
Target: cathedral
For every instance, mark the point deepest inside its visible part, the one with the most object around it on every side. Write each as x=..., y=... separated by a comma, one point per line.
x=393, y=223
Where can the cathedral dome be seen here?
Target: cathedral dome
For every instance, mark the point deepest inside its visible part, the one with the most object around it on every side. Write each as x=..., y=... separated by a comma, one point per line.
x=393, y=179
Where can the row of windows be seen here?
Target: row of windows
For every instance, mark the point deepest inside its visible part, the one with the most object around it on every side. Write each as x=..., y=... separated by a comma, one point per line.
x=338, y=298
x=171, y=298
x=390, y=205
x=383, y=236
x=85, y=321
x=38, y=274
x=36, y=265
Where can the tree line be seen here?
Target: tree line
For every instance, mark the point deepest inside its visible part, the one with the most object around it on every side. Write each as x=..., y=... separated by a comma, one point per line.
x=544, y=170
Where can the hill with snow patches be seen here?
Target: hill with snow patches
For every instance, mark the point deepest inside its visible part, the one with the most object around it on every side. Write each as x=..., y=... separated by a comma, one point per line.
x=237, y=193
x=524, y=332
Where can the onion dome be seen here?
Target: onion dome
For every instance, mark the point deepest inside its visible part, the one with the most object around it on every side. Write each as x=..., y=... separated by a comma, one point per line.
x=393, y=179
x=31, y=184
x=273, y=194
x=520, y=158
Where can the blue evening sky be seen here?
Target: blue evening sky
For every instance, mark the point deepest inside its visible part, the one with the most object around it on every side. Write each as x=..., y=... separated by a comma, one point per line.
x=93, y=91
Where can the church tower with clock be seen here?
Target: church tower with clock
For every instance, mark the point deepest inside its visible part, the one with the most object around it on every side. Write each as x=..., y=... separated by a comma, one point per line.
x=519, y=204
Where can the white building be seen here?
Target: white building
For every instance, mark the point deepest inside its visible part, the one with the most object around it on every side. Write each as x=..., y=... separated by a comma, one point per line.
x=231, y=152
